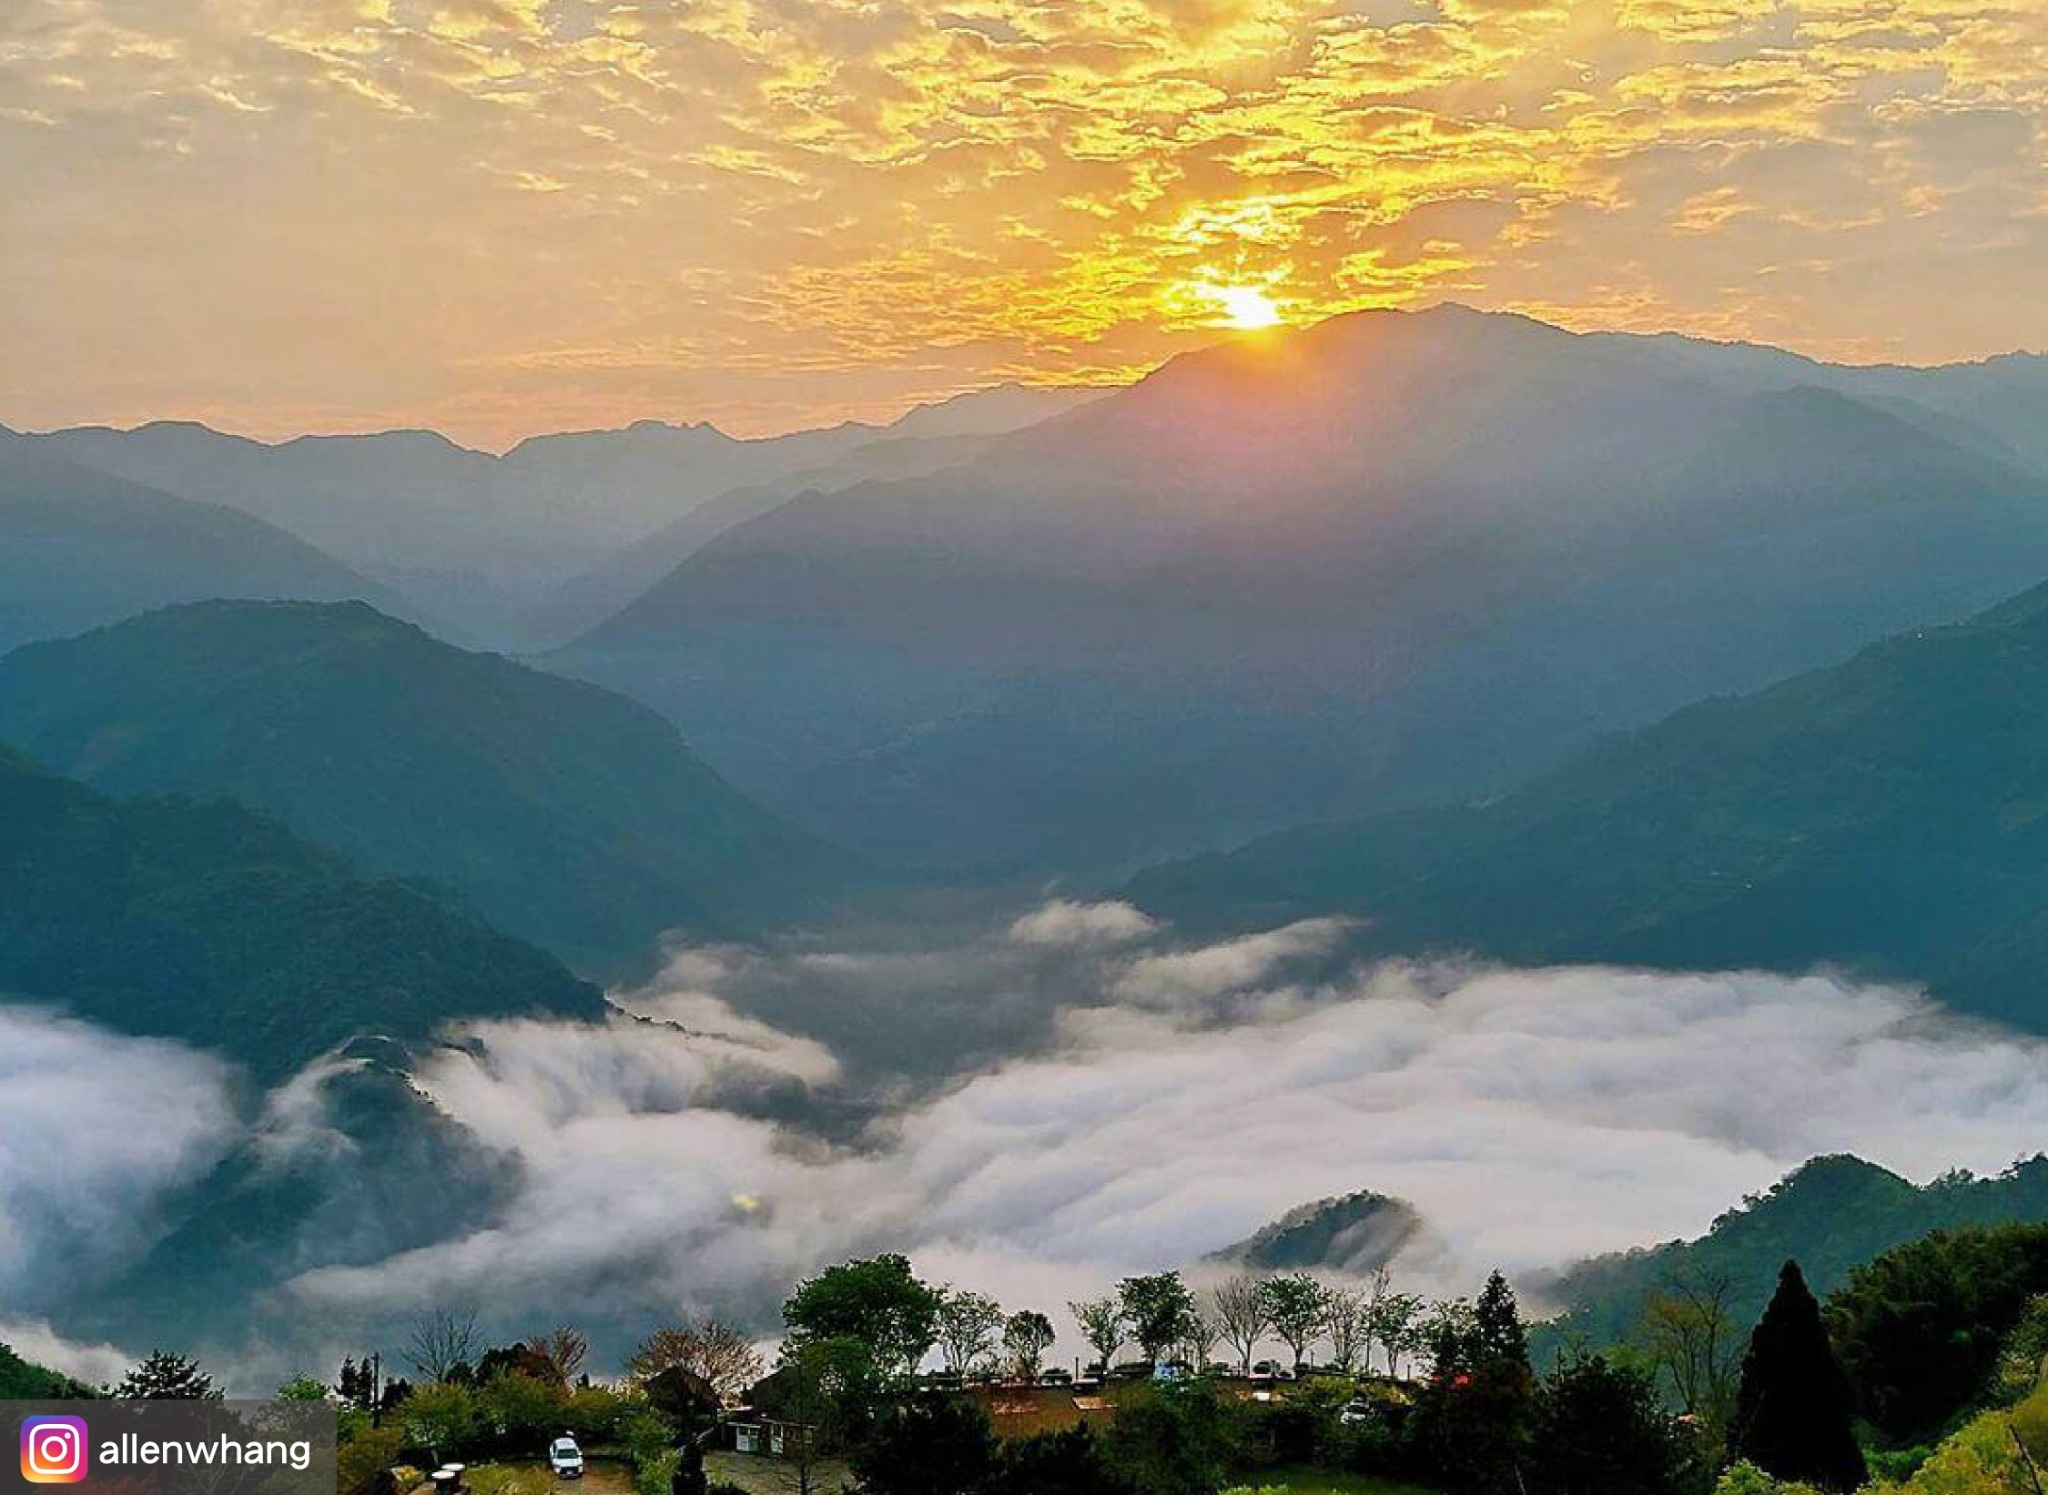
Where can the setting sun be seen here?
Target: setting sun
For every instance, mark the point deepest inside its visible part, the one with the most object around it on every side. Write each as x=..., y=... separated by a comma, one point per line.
x=1246, y=307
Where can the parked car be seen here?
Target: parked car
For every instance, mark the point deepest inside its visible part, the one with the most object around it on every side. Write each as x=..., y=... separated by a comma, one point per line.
x=1056, y=1377
x=565, y=1458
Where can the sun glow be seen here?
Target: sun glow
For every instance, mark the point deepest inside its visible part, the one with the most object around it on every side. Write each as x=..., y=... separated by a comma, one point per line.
x=1246, y=307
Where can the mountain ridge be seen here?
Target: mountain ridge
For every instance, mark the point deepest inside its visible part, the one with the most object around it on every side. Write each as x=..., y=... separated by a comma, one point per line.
x=566, y=814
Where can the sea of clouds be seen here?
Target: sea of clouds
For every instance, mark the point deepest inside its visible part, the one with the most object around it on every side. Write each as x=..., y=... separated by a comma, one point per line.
x=689, y=1156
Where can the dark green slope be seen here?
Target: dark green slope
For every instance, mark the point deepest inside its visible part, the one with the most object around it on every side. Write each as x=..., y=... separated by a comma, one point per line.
x=24, y=1381
x=567, y=815
x=206, y=923
x=79, y=548
x=1831, y=1215
x=1889, y=814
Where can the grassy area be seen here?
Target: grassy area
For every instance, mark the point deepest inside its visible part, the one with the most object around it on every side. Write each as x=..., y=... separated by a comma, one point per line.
x=765, y=1476
x=1324, y=1482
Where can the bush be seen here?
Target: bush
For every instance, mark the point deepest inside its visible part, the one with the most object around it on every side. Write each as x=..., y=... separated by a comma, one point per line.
x=656, y=1476
x=363, y=1458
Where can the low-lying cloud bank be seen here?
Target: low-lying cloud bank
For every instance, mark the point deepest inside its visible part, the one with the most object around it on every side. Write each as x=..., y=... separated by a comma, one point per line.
x=1189, y=1096
x=94, y=1128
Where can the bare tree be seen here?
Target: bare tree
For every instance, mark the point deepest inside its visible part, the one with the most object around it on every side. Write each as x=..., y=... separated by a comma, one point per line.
x=1347, y=1323
x=717, y=1352
x=565, y=1349
x=1689, y=1330
x=1201, y=1333
x=1102, y=1324
x=968, y=1325
x=1239, y=1308
x=440, y=1341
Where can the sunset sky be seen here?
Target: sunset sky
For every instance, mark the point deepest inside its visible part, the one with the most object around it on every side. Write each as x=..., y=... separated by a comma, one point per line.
x=503, y=216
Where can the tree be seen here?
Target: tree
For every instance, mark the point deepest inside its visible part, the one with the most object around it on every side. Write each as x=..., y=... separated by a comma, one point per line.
x=441, y=1343
x=1472, y=1417
x=440, y=1418
x=1392, y=1320
x=564, y=1348
x=302, y=1389
x=879, y=1302
x=1919, y=1330
x=1597, y=1429
x=1101, y=1321
x=1240, y=1308
x=357, y=1385
x=933, y=1445
x=1027, y=1335
x=720, y=1355
x=1199, y=1336
x=1689, y=1332
x=1167, y=1440
x=689, y=1477
x=830, y=1392
x=967, y=1327
x=1347, y=1325
x=1063, y=1463
x=1793, y=1410
x=1296, y=1306
x=1157, y=1309
x=1497, y=1324
x=166, y=1377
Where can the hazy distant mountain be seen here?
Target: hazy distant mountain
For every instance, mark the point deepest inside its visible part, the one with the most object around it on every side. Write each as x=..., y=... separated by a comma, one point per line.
x=482, y=539
x=1356, y=1234
x=565, y=814
x=1886, y=814
x=929, y=439
x=1995, y=404
x=209, y=924
x=79, y=548
x=1388, y=559
x=1830, y=1215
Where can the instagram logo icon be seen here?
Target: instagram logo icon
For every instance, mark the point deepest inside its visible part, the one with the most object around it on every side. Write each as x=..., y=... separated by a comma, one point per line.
x=53, y=1450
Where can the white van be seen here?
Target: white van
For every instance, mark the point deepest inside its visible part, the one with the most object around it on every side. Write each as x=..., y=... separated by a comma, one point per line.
x=565, y=1458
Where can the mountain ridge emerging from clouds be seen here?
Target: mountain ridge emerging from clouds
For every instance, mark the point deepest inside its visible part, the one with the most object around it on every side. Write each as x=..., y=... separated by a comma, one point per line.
x=208, y=924
x=1884, y=814
x=567, y=815
x=1831, y=1214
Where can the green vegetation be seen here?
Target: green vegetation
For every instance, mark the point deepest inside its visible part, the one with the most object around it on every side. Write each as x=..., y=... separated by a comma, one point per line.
x=1886, y=814
x=564, y=814
x=1793, y=1410
x=1921, y=1329
x=1958, y=1319
x=206, y=923
x=1325, y=1482
x=23, y=1380
x=1832, y=1215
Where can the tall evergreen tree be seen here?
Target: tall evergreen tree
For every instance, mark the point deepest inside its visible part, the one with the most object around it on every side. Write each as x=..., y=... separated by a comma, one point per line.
x=1473, y=1415
x=167, y=1377
x=1793, y=1411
